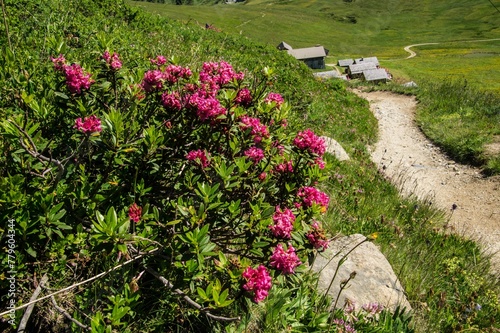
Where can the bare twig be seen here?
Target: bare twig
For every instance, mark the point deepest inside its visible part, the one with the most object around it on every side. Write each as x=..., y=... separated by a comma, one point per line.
x=6, y=25
x=34, y=152
x=179, y=292
x=27, y=313
x=80, y=283
x=67, y=315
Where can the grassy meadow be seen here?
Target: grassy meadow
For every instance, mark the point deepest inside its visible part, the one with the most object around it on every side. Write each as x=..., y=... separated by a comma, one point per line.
x=368, y=28
x=446, y=277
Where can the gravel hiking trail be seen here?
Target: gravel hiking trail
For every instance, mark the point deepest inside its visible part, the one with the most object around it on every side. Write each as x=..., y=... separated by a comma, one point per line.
x=418, y=167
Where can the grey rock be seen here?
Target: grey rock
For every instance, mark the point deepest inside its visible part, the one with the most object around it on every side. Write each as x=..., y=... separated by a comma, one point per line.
x=373, y=281
x=334, y=148
x=410, y=84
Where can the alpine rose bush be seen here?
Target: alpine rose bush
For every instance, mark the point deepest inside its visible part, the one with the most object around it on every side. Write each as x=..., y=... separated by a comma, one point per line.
x=193, y=168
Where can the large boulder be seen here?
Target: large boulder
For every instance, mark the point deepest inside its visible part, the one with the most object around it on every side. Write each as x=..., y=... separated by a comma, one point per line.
x=372, y=279
x=334, y=148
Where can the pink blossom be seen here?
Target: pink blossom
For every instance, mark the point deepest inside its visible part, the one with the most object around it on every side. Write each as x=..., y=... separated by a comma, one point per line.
x=285, y=261
x=173, y=73
x=153, y=80
x=277, y=145
x=262, y=176
x=255, y=154
x=220, y=73
x=320, y=163
x=343, y=326
x=76, y=78
x=171, y=100
x=59, y=62
x=307, y=140
x=88, y=125
x=135, y=212
x=160, y=60
x=283, y=223
x=287, y=166
x=199, y=157
x=258, y=130
x=274, y=97
x=311, y=195
x=243, y=97
x=206, y=107
x=317, y=237
x=113, y=61
x=372, y=308
x=258, y=282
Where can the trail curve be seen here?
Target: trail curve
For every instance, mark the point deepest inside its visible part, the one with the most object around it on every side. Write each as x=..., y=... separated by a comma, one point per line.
x=414, y=54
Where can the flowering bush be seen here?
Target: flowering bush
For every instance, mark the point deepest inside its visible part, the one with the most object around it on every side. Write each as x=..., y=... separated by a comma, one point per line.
x=201, y=162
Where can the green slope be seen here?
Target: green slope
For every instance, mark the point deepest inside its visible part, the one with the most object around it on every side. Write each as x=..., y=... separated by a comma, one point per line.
x=380, y=28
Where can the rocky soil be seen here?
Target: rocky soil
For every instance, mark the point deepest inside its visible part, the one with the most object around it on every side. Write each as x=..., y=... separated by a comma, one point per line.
x=419, y=168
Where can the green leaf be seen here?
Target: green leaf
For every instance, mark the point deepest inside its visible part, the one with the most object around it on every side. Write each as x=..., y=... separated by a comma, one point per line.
x=202, y=294
x=60, y=94
x=31, y=252
x=111, y=218
x=260, y=244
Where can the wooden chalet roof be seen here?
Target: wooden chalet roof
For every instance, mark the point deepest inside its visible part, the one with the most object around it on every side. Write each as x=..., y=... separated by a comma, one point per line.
x=367, y=59
x=308, y=52
x=345, y=62
x=359, y=68
x=375, y=74
x=284, y=46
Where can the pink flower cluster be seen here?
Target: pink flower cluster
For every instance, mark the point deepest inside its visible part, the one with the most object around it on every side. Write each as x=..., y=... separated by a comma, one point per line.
x=311, y=195
x=171, y=100
x=283, y=223
x=220, y=73
x=113, y=61
x=88, y=125
x=255, y=154
x=258, y=130
x=307, y=140
x=154, y=79
x=206, y=106
x=285, y=261
x=258, y=282
x=159, y=60
x=135, y=212
x=320, y=163
x=317, y=237
x=173, y=73
x=76, y=78
x=199, y=157
x=344, y=326
x=243, y=97
x=274, y=97
x=284, y=167
x=372, y=308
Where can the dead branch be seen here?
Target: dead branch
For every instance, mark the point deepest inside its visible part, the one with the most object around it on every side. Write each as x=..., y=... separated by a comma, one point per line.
x=67, y=315
x=80, y=283
x=34, y=152
x=179, y=292
x=29, y=309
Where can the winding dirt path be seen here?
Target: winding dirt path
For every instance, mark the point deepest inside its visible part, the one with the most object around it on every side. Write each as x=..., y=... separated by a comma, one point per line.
x=414, y=54
x=419, y=168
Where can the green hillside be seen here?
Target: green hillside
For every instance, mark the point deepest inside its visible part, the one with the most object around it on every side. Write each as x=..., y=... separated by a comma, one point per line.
x=368, y=28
